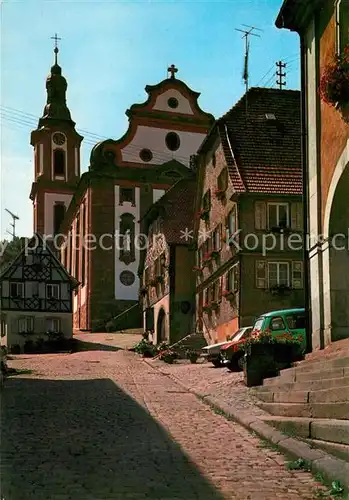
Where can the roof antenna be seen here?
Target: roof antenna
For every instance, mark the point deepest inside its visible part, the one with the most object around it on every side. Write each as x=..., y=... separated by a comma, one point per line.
x=13, y=225
x=246, y=34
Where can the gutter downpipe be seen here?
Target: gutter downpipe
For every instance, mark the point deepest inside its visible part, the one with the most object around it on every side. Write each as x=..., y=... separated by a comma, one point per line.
x=304, y=153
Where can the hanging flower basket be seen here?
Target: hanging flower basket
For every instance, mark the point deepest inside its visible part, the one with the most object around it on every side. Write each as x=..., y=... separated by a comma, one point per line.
x=206, y=307
x=334, y=84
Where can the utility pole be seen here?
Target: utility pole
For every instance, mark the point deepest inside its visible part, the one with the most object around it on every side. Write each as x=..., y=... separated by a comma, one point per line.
x=281, y=75
x=246, y=35
x=13, y=225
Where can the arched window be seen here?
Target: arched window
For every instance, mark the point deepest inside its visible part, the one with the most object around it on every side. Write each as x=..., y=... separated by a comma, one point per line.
x=58, y=216
x=59, y=163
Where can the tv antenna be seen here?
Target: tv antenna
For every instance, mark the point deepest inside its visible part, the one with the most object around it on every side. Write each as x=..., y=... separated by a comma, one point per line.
x=246, y=35
x=13, y=225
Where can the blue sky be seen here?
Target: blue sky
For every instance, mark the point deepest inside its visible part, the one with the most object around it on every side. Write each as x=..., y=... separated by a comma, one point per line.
x=109, y=52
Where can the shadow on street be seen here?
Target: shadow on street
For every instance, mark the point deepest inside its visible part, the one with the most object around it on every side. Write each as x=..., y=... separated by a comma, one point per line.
x=89, y=440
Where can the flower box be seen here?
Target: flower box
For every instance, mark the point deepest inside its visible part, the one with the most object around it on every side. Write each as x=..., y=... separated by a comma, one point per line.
x=280, y=289
x=334, y=84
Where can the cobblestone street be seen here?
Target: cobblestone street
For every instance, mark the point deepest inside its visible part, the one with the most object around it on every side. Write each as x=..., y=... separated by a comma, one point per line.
x=103, y=424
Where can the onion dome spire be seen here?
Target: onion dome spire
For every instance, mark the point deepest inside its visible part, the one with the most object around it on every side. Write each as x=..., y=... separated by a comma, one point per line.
x=56, y=86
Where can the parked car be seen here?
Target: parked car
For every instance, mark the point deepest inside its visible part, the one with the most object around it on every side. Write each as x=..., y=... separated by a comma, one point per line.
x=291, y=321
x=212, y=352
x=230, y=354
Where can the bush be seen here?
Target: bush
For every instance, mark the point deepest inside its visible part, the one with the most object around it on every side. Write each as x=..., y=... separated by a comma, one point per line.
x=145, y=348
x=163, y=346
x=168, y=356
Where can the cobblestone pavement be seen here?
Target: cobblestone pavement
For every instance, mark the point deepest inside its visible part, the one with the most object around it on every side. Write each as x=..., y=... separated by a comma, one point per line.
x=103, y=424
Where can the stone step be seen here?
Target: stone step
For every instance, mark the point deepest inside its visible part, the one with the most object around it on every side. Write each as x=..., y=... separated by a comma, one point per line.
x=340, y=451
x=330, y=430
x=307, y=366
x=310, y=385
x=291, y=375
x=310, y=410
x=333, y=395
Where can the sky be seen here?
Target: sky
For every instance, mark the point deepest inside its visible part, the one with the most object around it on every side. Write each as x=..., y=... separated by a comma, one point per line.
x=109, y=52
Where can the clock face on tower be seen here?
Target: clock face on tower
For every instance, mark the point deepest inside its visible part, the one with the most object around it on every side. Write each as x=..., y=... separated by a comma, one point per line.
x=58, y=138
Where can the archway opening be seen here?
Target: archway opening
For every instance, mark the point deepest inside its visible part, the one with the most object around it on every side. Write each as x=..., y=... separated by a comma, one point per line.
x=161, y=327
x=338, y=293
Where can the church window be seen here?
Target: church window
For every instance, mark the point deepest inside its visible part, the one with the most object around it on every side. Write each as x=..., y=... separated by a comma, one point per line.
x=127, y=195
x=127, y=238
x=146, y=155
x=59, y=163
x=172, y=102
x=58, y=216
x=172, y=141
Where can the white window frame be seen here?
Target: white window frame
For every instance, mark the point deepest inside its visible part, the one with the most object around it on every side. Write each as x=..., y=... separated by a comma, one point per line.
x=52, y=286
x=53, y=321
x=278, y=205
x=217, y=239
x=26, y=324
x=19, y=286
x=278, y=265
x=232, y=221
x=231, y=285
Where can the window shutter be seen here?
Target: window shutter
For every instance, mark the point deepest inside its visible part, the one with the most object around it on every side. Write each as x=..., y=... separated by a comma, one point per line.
x=297, y=274
x=260, y=215
x=296, y=216
x=236, y=278
x=261, y=274
x=343, y=24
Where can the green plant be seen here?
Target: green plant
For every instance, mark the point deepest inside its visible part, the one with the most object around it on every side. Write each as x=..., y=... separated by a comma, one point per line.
x=266, y=337
x=168, y=356
x=145, y=348
x=298, y=464
x=163, y=346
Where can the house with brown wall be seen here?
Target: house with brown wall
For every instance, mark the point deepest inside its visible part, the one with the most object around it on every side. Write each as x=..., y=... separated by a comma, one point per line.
x=167, y=292
x=249, y=219
x=323, y=28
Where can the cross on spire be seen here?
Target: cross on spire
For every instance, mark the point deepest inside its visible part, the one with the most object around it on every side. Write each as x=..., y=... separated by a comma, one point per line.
x=56, y=50
x=173, y=70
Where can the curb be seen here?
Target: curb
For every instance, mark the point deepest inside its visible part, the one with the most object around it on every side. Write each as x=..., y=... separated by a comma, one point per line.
x=332, y=468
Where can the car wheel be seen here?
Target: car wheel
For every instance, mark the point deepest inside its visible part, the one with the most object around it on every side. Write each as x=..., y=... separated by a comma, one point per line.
x=217, y=363
x=241, y=362
x=232, y=366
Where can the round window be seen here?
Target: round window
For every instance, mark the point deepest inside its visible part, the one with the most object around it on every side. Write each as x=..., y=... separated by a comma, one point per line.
x=146, y=155
x=172, y=102
x=127, y=278
x=172, y=141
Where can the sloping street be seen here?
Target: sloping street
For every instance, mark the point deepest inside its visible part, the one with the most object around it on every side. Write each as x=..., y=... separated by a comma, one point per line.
x=102, y=424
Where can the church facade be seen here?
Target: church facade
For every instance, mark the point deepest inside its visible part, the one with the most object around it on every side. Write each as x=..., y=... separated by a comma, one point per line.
x=94, y=217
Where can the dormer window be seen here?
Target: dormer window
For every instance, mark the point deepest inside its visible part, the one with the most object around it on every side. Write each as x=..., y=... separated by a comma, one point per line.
x=59, y=163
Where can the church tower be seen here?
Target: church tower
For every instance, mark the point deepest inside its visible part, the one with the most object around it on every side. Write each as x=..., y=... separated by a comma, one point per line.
x=56, y=156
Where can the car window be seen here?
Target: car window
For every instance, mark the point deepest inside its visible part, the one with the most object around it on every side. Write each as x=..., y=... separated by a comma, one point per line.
x=258, y=324
x=295, y=321
x=277, y=324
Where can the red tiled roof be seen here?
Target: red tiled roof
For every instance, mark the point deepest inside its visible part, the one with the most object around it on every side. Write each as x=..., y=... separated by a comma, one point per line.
x=267, y=152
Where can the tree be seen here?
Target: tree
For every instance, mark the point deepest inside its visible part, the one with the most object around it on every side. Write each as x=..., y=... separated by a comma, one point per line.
x=9, y=251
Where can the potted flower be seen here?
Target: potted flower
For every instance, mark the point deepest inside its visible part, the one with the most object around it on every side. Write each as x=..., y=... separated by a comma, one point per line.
x=168, y=356
x=206, y=307
x=334, y=84
x=192, y=355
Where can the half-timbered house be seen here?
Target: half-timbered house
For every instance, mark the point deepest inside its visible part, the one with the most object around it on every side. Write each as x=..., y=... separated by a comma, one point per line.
x=36, y=296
